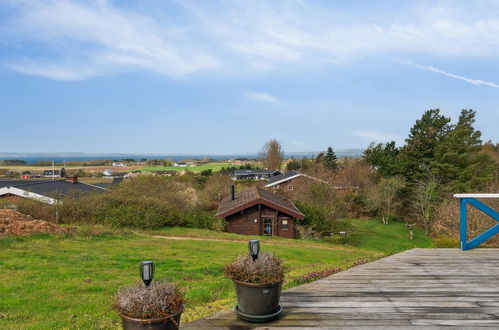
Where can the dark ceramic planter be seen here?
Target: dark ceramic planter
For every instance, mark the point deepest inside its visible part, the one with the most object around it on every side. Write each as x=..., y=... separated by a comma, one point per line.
x=258, y=302
x=165, y=323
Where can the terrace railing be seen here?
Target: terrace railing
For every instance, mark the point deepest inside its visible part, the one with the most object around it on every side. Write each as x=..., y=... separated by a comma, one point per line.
x=464, y=200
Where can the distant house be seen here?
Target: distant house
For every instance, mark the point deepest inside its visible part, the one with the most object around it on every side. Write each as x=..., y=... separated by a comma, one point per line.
x=180, y=164
x=284, y=179
x=120, y=164
x=256, y=211
x=108, y=172
x=51, y=173
x=112, y=174
x=288, y=181
x=45, y=191
x=254, y=174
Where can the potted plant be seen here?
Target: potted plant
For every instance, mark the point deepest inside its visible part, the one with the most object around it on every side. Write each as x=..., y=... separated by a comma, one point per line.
x=258, y=280
x=157, y=305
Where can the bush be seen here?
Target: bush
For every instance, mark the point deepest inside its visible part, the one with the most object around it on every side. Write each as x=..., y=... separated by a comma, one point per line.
x=445, y=242
x=266, y=269
x=160, y=299
x=142, y=202
x=321, y=220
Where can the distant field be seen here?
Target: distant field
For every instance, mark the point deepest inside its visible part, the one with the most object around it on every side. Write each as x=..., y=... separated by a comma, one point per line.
x=215, y=167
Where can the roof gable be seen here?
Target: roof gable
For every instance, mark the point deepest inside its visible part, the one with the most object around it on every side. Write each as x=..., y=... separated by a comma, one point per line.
x=253, y=196
x=284, y=177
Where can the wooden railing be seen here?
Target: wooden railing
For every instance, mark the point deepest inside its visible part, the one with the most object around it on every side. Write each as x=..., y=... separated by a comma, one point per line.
x=464, y=200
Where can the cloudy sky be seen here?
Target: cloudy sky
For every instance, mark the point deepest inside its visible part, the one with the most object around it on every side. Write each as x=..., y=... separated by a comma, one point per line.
x=157, y=76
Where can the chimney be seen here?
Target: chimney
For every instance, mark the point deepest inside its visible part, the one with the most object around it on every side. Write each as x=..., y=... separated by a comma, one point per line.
x=73, y=179
x=232, y=193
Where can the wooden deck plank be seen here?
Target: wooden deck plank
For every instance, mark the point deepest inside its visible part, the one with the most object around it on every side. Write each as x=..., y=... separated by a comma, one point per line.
x=420, y=288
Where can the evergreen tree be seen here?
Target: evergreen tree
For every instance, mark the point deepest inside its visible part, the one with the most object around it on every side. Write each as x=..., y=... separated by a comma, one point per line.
x=330, y=160
x=320, y=157
x=419, y=151
x=384, y=158
x=459, y=160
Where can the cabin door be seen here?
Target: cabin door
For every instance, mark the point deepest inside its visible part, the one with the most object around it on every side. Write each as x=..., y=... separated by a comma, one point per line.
x=267, y=227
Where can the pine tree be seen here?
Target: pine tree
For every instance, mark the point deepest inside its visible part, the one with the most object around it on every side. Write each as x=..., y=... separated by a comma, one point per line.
x=419, y=151
x=459, y=161
x=330, y=160
x=384, y=157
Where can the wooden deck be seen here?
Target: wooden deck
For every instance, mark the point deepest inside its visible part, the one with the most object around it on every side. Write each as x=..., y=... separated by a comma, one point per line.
x=425, y=288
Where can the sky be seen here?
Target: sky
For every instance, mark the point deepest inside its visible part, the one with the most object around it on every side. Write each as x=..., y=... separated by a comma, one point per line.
x=221, y=77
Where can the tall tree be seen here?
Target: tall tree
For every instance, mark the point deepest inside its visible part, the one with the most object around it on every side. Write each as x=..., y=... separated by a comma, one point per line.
x=459, y=161
x=384, y=157
x=273, y=155
x=419, y=151
x=330, y=160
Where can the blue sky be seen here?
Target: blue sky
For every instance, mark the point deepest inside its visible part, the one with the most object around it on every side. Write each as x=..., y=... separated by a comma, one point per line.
x=222, y=77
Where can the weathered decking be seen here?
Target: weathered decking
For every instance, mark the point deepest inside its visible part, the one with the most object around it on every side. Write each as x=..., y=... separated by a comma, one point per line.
x=417, y=288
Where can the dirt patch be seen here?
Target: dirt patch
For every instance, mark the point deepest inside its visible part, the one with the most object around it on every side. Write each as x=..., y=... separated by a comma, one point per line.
x=15, y=223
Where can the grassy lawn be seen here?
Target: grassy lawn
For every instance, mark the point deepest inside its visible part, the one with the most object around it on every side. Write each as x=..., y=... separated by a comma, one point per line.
x=215, y=167
x=69, y=281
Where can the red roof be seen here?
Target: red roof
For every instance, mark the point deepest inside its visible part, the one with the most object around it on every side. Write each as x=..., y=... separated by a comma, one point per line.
x=254, y=196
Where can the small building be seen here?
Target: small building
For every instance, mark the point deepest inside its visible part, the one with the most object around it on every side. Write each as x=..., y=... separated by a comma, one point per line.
x=180, y=164
x=284, y=180
x=254, y=174
x=51, y=173
x=108, y=172
x=287, y=181
x=256, y=211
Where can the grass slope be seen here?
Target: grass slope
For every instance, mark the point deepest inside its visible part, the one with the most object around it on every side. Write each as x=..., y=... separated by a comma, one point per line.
x=69, y=281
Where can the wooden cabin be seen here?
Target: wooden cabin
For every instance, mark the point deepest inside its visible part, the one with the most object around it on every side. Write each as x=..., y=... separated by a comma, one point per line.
x=256, y=211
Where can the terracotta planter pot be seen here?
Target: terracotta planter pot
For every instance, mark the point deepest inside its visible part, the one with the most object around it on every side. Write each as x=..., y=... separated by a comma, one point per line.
x=258, y=302
x=171, y=322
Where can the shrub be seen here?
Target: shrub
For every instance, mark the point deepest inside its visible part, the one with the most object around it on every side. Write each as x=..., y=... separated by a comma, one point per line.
x=266, y=269
x=160, y=299
x=142, y=202
x=445, y=242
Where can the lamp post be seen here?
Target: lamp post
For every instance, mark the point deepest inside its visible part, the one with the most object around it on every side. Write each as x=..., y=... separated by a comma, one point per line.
x=147, y=272
x=254, y=248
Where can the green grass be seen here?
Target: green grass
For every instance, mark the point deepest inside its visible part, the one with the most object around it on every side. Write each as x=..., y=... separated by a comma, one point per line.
x=215, y=167
x=372, y=234
x=69, y=281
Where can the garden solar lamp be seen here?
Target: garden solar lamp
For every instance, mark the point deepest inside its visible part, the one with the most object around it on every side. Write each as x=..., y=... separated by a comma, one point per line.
x=254, y=248
x=147, y=272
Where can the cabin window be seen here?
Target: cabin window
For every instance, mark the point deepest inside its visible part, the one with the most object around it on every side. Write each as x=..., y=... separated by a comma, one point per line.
x=290, y=187
x=267, y=227
x=285, y=224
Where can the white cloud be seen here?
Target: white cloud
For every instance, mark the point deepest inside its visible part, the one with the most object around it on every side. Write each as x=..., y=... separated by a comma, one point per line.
x=376, y=136
x=261, y=96
x=89, y=39
x=78, y=40
x=475, y=82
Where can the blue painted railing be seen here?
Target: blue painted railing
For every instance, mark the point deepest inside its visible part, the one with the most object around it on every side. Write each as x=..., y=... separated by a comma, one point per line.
x=464, y=200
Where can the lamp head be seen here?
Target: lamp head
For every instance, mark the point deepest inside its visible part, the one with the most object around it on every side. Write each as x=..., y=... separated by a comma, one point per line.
x=254, y=248
x=147, y=272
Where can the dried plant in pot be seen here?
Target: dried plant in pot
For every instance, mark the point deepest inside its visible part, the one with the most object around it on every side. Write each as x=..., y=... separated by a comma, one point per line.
x=258, y=282
x=157, y=306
